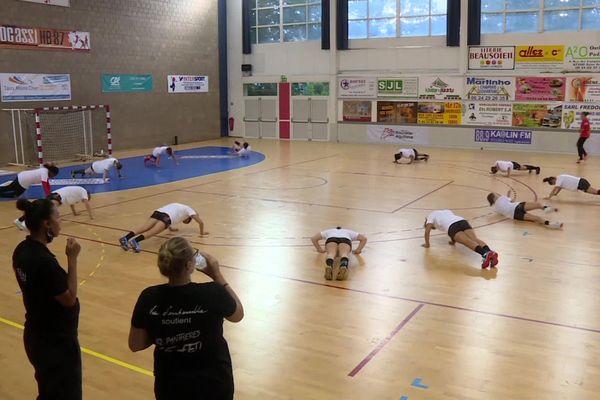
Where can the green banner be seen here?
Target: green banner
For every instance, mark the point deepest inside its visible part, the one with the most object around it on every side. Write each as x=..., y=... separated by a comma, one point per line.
x=310, y=89
x=398, y=87
x=126, y=83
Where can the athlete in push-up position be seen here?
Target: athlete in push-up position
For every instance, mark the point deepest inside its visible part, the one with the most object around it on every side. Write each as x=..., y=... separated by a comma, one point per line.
x=100, y=167
x=338, y=242
x=569, y=182
x=508, y=166
x=158, y=153
x=410, y=154
x=72, y=195
x=521, y=211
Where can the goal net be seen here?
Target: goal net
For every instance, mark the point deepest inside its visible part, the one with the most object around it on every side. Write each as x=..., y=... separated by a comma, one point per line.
x=60, y=133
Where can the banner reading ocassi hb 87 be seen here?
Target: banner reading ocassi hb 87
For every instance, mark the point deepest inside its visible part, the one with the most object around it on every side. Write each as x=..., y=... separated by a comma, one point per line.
x=19, y=37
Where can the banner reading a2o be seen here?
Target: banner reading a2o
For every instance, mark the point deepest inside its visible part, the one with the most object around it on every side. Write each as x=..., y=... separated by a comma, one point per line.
x=19, y=37
x=583, y=58
x=187, y=83
x=126, y=83
x=439, y=113
x=543, y=58
x=35, y=87
x=583, y=88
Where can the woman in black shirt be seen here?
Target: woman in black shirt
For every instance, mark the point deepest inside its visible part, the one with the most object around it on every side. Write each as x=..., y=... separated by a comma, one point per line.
x=51, y=305
x=184, y=320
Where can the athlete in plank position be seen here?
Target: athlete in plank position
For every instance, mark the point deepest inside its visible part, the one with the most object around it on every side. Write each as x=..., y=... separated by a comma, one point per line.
x=410, y=154
x=158, y=153
x=100, y=167
x=163, y=218
x=245, y=150
x=459, y=231
x=569, y=182
x=24, y=180
x=521, y=211
x=72, y=195
x=508, y=166
x=338, y=241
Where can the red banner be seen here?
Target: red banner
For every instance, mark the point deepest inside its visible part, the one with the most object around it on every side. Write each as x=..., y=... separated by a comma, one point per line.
x=19, y=37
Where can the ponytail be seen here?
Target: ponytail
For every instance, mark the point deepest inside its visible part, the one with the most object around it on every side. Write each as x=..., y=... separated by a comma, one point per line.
x=36, y=212
x=549, y=180
x=52, y=169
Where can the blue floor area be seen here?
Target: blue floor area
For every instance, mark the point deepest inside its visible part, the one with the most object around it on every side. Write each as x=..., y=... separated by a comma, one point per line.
x=136, y=175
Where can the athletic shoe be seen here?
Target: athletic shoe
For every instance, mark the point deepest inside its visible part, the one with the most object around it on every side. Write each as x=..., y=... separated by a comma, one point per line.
x=491, y=257
x=328, y=273
x=555, y=225
x=135, y=246
x=342, y=273
x=548, y=209
x=124, y=244
x=20, y=224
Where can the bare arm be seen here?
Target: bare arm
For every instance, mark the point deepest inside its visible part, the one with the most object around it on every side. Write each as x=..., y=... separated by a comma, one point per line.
x=138, y=339
x=363, y=242
x=69, y=297
x=428, y=229
x=200, y=224
x=175, y=159
x=88, y=207
x=315, y=241
x=73, y=209
x=508, y=172
x=214, y=272
x=157, y=162
x=554, y=192
x=411, y=159
x=105, y=175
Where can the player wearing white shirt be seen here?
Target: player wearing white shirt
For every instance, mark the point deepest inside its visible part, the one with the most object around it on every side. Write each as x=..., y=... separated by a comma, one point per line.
x=508, y=166
x=459, y=231
x=23, y=181
x=100, y=167
x=338, y=242
x=520, y=211
x=163, y=218
x=72, y=195
x=159, y=153
x=569, y=182
x=237, y=146
x=245, y=150
x=410, y=154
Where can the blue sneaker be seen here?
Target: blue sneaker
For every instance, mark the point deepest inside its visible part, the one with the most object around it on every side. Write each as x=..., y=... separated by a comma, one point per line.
x=135, y=245
x=124, y=244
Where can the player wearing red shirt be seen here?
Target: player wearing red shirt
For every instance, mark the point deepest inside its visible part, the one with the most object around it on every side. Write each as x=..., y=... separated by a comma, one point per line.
x=583, y=136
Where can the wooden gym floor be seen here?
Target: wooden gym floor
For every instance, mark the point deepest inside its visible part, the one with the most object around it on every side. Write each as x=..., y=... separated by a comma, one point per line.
x=529, y=331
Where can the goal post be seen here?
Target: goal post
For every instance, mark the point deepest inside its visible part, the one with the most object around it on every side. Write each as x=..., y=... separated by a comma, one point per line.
x=66, y=133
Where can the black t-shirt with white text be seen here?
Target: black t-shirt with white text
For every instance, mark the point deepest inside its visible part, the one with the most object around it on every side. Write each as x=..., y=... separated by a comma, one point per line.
x=185, y=323
x=41, y=279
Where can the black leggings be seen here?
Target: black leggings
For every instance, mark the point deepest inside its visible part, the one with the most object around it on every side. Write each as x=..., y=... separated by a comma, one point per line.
x=580, y=150
x=12, y=190
x=57, y=364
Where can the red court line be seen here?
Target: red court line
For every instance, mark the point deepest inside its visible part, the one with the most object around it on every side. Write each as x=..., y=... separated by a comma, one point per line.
x=388, y=296
x=385, y=341
x=423, y=196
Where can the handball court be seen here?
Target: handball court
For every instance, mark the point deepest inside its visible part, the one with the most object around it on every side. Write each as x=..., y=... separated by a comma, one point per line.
x=409, y=322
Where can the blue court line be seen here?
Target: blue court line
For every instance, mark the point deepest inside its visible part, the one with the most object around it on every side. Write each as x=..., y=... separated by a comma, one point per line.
x=136, y=175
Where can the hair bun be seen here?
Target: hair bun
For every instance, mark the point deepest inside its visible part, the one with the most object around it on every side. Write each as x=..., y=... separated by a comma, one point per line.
x=24, y=205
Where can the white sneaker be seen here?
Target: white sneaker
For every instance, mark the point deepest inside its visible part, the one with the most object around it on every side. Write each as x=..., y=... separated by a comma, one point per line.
x=20, y=224
x=548, y=209
x=555, y=225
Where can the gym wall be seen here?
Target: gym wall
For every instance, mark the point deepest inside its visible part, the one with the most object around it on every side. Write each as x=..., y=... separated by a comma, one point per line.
x=166, y=37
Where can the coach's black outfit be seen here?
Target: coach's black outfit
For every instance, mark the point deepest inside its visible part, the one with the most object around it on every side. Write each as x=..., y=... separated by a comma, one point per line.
x=50, y=335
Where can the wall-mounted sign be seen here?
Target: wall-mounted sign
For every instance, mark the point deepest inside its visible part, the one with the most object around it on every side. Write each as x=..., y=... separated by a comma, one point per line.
x=490, y=88
x=398, y=134
x=439, y=113
x=545, y=58
x=356, y=111
x=583, y=58
x=357, y=88
x=532, y=88
x=503, y=136
x=572, y=115
x=491, y=57
x=400, y=88
x=62, y=3
x=537, y=115
x=19, y=37
x=397, y=112
x=583, y=88
x=440, y=88
x=126, y=83
x=35, y=87
x=187, y=83
x=496, y=114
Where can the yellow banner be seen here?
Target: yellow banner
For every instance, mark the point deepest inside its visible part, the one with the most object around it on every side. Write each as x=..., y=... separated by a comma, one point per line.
x=449, y=113
x=535, y=53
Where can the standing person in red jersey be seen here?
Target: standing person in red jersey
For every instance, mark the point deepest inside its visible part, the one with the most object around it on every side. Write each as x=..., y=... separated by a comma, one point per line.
x=584, y=134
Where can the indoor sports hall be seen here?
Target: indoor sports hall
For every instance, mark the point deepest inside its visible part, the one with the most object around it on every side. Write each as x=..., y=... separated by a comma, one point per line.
x=299, y=199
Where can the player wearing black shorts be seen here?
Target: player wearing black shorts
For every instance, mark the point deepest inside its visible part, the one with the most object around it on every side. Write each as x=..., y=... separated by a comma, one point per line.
x=521, y=211
x=338, y=242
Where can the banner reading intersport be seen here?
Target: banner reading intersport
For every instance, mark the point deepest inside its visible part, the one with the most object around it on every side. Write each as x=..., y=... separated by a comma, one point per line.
x=187, y=83
x=400, y=88
x=572, y=115
x=493, y=114
x=490, y=88
x=441, y=87
x=398, y=134
x=583, y=88
x=19, y=37
x=35, y=87
x=583, y=58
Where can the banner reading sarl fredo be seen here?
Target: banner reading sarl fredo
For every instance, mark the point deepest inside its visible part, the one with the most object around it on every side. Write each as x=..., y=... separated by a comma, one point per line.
x=572, y=115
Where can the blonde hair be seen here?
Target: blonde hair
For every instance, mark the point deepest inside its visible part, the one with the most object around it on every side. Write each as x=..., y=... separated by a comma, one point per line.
x=173, y=256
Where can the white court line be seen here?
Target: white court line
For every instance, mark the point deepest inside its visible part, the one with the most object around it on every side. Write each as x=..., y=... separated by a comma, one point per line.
x=199, y=157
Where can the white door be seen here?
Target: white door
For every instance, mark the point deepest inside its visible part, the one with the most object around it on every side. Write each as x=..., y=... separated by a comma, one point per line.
x=301, y=118
x=252, y=117
x=319, y=118
x=260, y=117
x=309, y=118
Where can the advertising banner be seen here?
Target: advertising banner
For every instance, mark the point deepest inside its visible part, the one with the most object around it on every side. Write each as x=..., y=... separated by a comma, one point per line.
x=497, y=114
x=62, y=3
x=126, y=83
x=357, y=88
x=35, y=87
x=187, y=83
x=530, y=88
x=572, y=115
x=583, y=88
x=397, y=112
x=537, y=115
x=398, y=134
x=440, y=88
x=490, y=88
x=503, y=136
x=491, y=57
x=545, y=58
x=583, y=58
x=357, y=111
x=401, y=88
x=439, y=113
x=310, y=89
x=19, y=37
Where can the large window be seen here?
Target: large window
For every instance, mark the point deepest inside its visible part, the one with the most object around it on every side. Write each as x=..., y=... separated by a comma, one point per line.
x=505, y=16
x=275, y=21
x=396, y=18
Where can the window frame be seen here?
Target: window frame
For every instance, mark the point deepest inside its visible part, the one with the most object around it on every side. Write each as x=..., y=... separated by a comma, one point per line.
x=541, y=10
x=254, y=26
